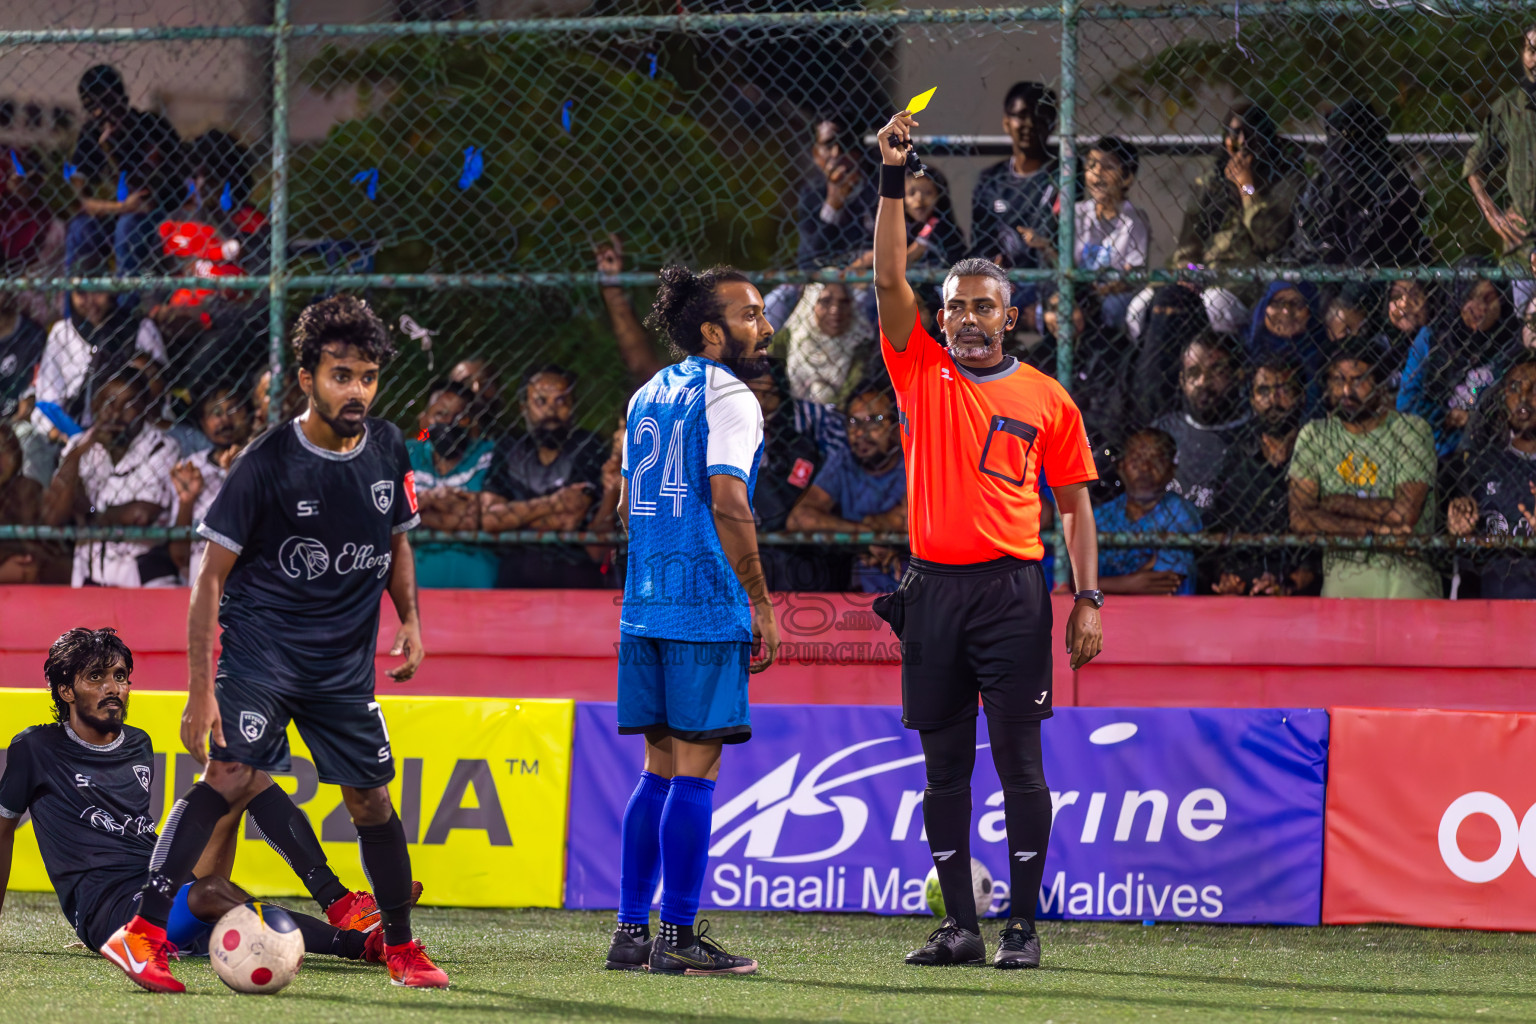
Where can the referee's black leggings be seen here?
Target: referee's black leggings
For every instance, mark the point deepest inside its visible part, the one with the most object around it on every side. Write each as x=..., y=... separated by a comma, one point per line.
x=950, y=754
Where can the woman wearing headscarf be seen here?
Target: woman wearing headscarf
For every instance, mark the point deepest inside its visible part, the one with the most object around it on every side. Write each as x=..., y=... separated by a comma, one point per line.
x=1412, y=316
x=1361, y=208
x=825, y=338
x=1288, y=321
x=1476, y=338
x=1176, y=314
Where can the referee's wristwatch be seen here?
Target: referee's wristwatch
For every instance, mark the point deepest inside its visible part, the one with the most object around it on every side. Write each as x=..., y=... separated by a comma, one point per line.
x=1096, y=596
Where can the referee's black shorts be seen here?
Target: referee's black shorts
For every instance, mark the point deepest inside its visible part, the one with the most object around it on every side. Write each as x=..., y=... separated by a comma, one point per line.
x=973, y=629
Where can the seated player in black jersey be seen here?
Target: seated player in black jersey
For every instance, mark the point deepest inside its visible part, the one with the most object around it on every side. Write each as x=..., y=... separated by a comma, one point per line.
x=86, y=779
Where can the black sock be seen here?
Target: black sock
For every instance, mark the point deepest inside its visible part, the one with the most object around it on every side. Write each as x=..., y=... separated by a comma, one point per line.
x=320, y=937
x=387, y=862
x=1026, y=812
x=181, y=843
x=1028, y=817
x=639, y=931
x=678, y=936
x=288, y=831
x=949, y=756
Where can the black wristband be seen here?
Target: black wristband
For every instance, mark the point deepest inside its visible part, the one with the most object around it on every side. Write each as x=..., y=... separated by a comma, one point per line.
x=893, y=182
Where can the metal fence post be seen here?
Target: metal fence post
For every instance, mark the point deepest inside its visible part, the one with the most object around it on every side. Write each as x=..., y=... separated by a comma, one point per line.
x=1066, y=132
x=278, y=284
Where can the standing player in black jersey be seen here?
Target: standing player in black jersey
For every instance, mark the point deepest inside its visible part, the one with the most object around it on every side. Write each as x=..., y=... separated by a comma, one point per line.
x=307, y=533
x=88, y=780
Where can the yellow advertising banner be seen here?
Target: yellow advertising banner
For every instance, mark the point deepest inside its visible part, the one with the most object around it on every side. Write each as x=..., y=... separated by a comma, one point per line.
x=481, y=786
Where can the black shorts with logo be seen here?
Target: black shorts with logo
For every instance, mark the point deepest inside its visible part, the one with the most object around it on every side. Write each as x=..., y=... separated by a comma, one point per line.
x=345, y=733
x=973, y=629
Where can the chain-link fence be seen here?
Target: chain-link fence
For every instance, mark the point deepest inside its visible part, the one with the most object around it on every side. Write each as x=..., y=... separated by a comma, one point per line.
x=1298, y=264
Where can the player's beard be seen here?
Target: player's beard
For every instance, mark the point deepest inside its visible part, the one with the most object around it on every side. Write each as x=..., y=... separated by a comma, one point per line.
x=968, y=344
x=104, y=719
x=333, y=418
x=744, y=358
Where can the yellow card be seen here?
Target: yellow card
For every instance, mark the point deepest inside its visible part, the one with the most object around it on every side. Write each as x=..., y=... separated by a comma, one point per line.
x=920, y=101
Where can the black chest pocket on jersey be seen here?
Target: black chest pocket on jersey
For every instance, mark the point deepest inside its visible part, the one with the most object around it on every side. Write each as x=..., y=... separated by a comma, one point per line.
x=1006, y=453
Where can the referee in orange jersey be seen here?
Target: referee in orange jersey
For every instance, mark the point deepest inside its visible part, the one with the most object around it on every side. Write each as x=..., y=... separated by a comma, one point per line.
x=981, y=433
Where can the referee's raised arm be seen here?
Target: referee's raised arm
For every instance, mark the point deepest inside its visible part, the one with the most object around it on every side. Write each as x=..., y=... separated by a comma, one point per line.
x=893, y=295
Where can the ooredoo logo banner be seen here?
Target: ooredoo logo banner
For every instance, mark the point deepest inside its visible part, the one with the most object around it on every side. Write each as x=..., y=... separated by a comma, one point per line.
x=1167, y=813
x=1432, y=819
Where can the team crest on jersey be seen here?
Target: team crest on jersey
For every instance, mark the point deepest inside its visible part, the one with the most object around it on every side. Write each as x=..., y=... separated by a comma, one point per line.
x=383, y=495
x=142, y=773
x=252, y=725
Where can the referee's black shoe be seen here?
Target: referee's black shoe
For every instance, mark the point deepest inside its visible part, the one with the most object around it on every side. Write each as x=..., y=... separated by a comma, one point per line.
x=1020, y=947
x=628, y=953
x=703, y=957
x=950, y=945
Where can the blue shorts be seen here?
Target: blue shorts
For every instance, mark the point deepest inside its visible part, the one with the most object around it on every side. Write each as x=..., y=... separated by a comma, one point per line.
x=693, y=691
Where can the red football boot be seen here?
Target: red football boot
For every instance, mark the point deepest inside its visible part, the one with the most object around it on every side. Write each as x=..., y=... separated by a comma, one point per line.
x=409, y=967
x=373, y=949
x=143, y=952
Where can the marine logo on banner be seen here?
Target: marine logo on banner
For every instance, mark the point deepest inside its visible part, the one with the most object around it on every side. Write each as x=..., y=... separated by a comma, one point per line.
x=1174, y=814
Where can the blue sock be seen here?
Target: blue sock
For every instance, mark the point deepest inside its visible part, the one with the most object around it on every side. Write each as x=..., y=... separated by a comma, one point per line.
x=685, y=847
x=640, y=849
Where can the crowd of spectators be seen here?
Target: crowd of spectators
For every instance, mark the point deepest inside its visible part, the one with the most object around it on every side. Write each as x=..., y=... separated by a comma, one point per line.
x=1261, y=406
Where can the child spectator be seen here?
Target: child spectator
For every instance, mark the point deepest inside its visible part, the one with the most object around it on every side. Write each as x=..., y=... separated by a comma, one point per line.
x=223, y=417
x=1146, y=467
x=1112, y=234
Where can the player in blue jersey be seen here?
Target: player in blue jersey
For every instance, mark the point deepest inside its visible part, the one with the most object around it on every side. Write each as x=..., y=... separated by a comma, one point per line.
x=305, y=537
x=695, y=605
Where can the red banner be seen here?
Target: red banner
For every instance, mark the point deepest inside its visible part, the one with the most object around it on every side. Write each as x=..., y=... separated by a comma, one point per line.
x=1431, y=819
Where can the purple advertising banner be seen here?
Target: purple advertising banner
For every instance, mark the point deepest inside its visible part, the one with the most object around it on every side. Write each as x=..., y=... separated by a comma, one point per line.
x=1160, y=813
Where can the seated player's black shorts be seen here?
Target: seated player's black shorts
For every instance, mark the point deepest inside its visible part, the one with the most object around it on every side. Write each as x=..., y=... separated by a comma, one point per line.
x=345, y=733
x=969, y=629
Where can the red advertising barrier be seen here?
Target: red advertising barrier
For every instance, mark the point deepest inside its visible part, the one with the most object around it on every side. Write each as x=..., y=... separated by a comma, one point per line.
x=1431, y=819
x=1159, y=651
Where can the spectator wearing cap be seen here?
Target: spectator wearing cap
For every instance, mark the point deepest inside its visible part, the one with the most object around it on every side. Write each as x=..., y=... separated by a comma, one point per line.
x=835, y=207
x=1146, y=467
x=451, y=461
x=1365, y=470
x=117, y=473
x=223, y=417
x=1253, y=490
x=549, y=478
x=864, y=490
x=1213, y=415
x=141, y=156
x=1015, y=200
x=1496, y=487
x=1112, y=233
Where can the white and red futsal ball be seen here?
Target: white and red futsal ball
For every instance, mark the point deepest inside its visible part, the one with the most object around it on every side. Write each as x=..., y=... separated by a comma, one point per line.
x=256, y=948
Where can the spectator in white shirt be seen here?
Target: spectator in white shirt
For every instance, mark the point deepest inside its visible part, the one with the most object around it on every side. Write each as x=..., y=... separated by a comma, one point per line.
x=224, y=417
x=1112, y=234
x=89, y=345
x=117, y=473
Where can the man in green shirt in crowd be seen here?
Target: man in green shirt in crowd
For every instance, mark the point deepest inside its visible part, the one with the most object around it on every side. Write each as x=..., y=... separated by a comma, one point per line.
x=1505, y=151
x=1365, y=470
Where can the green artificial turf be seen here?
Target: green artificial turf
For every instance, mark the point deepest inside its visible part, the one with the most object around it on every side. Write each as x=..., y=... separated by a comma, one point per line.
x=544, y=965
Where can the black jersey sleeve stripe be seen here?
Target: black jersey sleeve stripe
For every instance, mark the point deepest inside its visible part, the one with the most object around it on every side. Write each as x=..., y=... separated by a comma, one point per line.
x=409, y=524
x=6, y=812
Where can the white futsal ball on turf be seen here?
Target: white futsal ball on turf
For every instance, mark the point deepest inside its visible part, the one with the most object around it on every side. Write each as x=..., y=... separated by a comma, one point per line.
x=256, y=948
x=981, y=889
